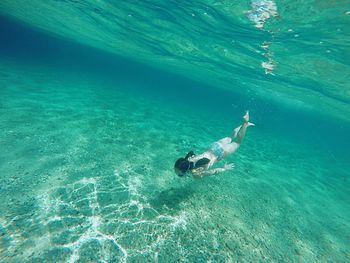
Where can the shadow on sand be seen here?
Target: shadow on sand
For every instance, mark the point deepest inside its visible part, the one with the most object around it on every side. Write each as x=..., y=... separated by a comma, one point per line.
x=171, y=198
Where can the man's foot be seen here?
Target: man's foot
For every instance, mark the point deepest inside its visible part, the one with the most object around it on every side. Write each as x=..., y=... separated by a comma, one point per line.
x=246, y=119
x=246, y=116
x=250, y=124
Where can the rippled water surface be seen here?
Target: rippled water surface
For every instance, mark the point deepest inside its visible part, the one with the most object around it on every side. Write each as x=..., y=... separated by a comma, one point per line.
x=99, y=98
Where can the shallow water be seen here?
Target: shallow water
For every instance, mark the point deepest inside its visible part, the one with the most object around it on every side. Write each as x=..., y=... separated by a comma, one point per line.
x=91, y=127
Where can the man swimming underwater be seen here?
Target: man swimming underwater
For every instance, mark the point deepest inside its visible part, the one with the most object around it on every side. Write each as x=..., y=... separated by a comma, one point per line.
x=199, y=165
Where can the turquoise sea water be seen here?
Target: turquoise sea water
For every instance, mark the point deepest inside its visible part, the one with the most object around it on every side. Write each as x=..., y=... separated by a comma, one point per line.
x=99, y=98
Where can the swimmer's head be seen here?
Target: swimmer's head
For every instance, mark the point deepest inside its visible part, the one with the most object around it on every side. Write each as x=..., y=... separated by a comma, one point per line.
x=182, y=166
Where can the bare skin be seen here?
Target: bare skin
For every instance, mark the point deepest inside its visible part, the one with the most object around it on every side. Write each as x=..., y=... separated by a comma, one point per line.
x=228, y=145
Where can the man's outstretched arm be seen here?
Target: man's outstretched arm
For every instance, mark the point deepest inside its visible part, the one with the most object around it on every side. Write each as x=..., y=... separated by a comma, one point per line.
x=203, y=173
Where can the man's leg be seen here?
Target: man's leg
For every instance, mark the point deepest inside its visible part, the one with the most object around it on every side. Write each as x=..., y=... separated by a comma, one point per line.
x=239, y=132
x=235, y=132
x=237, y=135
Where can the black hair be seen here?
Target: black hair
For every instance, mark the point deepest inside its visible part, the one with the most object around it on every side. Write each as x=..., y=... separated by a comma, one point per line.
x=183, y=165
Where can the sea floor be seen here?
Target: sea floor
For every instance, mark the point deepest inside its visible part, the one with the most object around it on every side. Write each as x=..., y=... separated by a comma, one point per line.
x=86, y=175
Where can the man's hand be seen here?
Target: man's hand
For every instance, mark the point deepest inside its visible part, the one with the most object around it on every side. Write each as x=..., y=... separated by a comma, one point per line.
x=229, y=166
